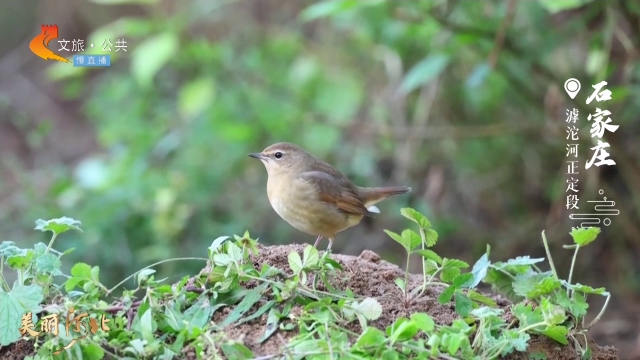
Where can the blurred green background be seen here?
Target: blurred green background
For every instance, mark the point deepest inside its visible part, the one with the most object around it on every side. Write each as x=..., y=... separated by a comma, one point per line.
x=461, y=100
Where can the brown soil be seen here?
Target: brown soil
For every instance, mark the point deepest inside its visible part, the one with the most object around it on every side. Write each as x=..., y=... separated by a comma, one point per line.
x=19, y=350
x=368, y=276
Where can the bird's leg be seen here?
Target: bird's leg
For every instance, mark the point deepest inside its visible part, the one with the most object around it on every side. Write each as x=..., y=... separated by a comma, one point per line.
x=317, y=241
x=330, y=243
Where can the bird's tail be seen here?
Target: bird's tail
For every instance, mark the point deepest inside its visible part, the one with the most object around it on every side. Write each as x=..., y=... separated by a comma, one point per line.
x=372, y=196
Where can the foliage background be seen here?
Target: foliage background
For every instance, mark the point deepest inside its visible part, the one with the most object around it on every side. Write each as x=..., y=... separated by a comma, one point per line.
x=462, y=100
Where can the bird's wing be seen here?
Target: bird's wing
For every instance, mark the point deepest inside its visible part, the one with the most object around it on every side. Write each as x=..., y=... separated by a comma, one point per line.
x=336, y=190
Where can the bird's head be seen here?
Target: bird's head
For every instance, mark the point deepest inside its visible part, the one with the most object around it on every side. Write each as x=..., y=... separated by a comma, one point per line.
x=284, y=157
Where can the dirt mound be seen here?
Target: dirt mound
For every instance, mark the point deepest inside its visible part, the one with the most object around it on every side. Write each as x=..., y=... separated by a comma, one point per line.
x=367, y=276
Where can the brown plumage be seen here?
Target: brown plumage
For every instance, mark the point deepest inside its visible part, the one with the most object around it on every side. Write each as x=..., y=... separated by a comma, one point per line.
x=313, y=196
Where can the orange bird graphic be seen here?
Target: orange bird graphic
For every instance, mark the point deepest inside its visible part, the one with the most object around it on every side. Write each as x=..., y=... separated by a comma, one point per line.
x=39, y=44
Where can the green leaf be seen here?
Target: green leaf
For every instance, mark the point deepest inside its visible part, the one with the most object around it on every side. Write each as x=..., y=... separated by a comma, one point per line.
x=584, y=236
x=555, y=6
x=295, y=263
x=416, y=217
x=333, y=7
x=151, y=55
x=477, y=76
x=432, y=237
x=424, y=71
x=234, y=252
x=411, y=238
x=95, y=273
x=453, y=342
x=430, y=255
x=404, y=332
x=505, y=337
x=252, y=297
x=501, y=283
x=449, y=263
x=526, y=315
x=552, y=313
x=585, y=288
x=263, y=309
x=125, y=2
x=446, y=295
x=143, y=275
x=423, y=321
x=325, y=8
x=371, y=338
x=370, y=308
x=463, y=304
x=48, y=263
x=520, y=260
x=21, y=260
x=395, y=325
x=430, y=266
x=480, y=298
x=339, y=99
x=596, y=60
x=448, y=274
x=577, y=305
x=174, y=319
x=13, y=305
x=557, y=333
x=479, y=270
x=399, y=239
x=248, y=243
x=199, y=314
x=81, y=273
x=215, y=245
x=310, y=257
x=533, y=285
x=272, y=324
x=222, y=259
x=235, y=350
x=330, y=263
x=400, y=283
x=8, y=248
x=59, y=225
x=519, y=341
x=92, y=351
x=147, y=325
x=462, y=280
x=195, y=97
x=81, y=270
x=321, y=137
x=537, y=356
x=390, y=354
x=485, y=312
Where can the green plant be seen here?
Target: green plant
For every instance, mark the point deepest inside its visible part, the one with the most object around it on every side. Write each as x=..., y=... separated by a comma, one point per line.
x=517, y=278
x=449, y=270
x=562, y=306
x=34, y=269
x=159, y=320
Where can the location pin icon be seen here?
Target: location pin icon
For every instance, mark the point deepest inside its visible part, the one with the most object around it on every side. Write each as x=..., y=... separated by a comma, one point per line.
x=572, y=86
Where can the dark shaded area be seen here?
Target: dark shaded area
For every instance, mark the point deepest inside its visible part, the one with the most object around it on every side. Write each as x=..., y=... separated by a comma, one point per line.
x=18, y=350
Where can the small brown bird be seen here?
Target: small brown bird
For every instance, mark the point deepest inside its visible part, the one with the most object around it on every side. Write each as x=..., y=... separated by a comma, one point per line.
x=313, y=196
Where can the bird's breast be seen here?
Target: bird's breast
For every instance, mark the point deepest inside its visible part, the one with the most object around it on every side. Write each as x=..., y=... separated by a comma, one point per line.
x=298, y=203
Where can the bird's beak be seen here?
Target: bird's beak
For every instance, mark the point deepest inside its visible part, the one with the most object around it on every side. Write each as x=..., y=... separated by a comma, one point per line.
x=258, y=156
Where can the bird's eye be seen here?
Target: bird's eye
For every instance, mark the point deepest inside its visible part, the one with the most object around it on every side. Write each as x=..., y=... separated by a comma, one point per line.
x=278, y=155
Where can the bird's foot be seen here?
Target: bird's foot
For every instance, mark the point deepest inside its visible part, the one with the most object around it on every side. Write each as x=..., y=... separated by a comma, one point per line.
x=317, y=241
